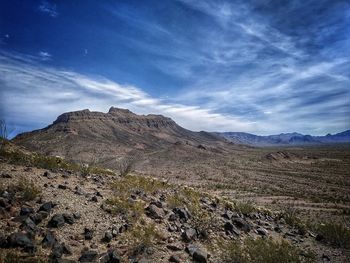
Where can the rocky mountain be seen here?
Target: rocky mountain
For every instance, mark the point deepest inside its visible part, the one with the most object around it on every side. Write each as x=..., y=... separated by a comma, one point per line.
x=285, y=138
x=87, y=136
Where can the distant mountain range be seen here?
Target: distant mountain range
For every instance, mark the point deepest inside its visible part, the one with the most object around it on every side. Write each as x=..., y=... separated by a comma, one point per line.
x=285, y=138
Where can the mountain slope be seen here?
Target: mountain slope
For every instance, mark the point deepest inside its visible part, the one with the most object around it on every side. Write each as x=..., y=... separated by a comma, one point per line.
x=285, y=138
x=86, y=136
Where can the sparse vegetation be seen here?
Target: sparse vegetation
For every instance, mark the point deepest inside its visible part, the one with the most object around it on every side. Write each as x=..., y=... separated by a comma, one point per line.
x=262, y=251
x=125, y=166
x=245, y=207
x=18, y=157
x=335, y=234
x=23, y=189
x=9, y=256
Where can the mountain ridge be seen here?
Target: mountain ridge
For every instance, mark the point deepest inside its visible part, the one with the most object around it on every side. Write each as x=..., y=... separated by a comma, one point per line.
x=293, y=138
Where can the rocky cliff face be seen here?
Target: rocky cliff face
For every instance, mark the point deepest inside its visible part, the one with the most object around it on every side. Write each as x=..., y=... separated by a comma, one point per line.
x=83, y=135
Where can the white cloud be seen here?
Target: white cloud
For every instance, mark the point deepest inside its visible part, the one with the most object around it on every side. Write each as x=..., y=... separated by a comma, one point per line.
x=44, y=56
x=42, y=93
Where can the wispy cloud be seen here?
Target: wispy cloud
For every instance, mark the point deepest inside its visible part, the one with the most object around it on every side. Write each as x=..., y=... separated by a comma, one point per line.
x=44, y=56
x=48, y=8
x=42, y=93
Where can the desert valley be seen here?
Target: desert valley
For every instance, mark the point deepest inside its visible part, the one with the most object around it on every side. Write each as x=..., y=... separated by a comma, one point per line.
x=121, y=187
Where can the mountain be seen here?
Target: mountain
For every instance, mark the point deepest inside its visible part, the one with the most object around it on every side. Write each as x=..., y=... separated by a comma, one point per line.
x=285, y=138
x=88, y=136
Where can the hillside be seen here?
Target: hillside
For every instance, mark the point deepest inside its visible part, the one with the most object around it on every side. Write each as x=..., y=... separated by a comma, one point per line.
x=90, y=137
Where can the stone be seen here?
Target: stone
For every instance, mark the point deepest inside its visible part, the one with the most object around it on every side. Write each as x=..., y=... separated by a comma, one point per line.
x=175, y=259
x=79, y=191
x=94, y=199
x=154, y=212
x=57, y=221
x=68, y=218
x=182, y=213
x=63, y=187
x=88, y=233
x=26, y=210
x=46, y=207
x=197, y=254
x=242, y=224
x=231, y=229
x=28, y=224
x=189, y=234
x=175, y=247
x=21, y=240
x=77, y=215
x=49, y=240
x=37, y=218
x=88, y=256
x=227, y=215
x=108, y=236
x=262, y=231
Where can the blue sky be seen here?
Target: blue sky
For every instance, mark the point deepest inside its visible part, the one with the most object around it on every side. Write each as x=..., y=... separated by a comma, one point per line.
x=259, y=66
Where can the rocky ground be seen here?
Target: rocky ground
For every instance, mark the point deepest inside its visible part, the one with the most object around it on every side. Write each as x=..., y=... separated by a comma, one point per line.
x=65, y=216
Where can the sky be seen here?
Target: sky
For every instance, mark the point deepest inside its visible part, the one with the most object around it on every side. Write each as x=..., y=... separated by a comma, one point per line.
x=258, y=66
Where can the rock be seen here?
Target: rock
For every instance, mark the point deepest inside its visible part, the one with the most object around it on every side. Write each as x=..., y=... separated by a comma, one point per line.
x=68, y=218
x=231, y=229
x=26, y=210
x=57, y=221
x=37, y=218
x=88, y=233
x=325, y=257
x=3, y=241
x=46, y=207
x=189, y=234
x=197, y=254
x=3, y=202
x=94, y=199
x=79, y=191
x=175, y=247
x=49, y=240
x=110, y=257
x=242, y=224
x=227, y=215
x=154, y=212
x=175, y=259
x=28, y=224
x=63, y=187
x=20, y=240
x=262, y=231
x=77, y=215
x=182, y=213
x=88, y=256
x=108, y=236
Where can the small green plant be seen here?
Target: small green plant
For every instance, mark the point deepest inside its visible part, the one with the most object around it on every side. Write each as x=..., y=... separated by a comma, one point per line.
x=336, y=234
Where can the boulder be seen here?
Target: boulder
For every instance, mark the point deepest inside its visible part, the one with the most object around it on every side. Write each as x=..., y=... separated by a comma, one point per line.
x=88, y=233
x=49, y=240
x=57, y=221
x=231, y=229
x=197, y=254
x=154, y=212
x=20, y=240
x=189, y=234
x=108, y=236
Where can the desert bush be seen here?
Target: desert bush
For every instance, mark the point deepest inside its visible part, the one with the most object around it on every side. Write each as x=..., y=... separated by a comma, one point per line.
x=245, y=207
x=130, y=208
x=336, y=234
x=24, y=189
x=131, y=184
x=263, y=251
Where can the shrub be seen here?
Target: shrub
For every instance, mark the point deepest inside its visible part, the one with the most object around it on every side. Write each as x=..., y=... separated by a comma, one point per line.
x=131, y=209
x=336, y=234
x=24, y=189
x=245, y=208
x=9, y=256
